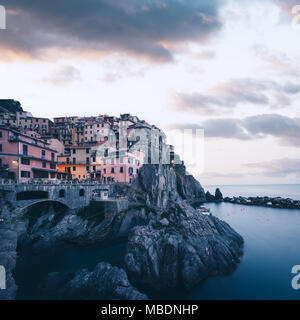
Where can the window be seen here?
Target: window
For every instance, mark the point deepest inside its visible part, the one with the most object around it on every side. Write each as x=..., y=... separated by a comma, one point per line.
x=43, y=154
x=94, y=159
x=87, y=150
x=25, y=150
x=112, y=170
x=87, y=160
x=25, y=174
x=0, y=134
x=74, y=168
x=121, y=160
x=104, y=170
x=52, y=156
x=68, y=160
x=52, y=166
x=68, y=170
x=0, y=147
x=121, y=169
x=88, y=169
x=112, y=161
x=44, y=164
x=130, y=170
x=25, y=161
x=74, y=151
x=94, y=168
x=74, y=160
x=81, y=192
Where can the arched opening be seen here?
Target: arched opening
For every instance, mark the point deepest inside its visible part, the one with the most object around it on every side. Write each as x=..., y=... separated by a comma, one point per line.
x=81, y=192
x=62, y=193
x=32, y=195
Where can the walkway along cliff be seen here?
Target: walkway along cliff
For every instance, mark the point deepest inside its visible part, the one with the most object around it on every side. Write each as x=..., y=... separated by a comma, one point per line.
x=170, y=245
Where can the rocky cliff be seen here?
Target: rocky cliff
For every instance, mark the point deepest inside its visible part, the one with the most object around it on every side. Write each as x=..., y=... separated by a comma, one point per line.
x=170, y=244
x=179, y=247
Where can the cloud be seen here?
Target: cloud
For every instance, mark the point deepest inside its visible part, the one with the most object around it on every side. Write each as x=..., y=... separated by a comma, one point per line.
x=64, y=76
x=287, y=5
x=286, y=129
x=278, y=62
x=277, y=168
x=212, y=175
x=141, y=27
x=229, y=95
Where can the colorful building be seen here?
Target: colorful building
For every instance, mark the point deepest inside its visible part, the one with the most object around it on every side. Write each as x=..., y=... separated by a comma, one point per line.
x=101, y=163
x=76, y=162
x=23, y=157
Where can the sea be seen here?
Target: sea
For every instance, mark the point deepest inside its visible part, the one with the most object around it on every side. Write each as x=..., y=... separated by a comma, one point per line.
x=272, y=248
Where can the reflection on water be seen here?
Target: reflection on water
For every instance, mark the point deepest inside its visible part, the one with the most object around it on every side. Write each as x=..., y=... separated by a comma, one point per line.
x=31, y=269
x=272, y=247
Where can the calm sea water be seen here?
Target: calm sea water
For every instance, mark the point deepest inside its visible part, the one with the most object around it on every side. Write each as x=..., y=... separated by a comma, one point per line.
x=272, y=248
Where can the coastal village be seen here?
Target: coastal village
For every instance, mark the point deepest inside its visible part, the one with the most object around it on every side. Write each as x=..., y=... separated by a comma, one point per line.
x=76, y=148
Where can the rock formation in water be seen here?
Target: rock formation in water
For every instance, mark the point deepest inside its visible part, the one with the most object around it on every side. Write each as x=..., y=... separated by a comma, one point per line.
x=104, y=282
x=170, y=244
x=218, y=195
x=179, y=246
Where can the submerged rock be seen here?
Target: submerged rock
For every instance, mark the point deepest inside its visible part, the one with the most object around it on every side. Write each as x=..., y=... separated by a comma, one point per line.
x=104, y=282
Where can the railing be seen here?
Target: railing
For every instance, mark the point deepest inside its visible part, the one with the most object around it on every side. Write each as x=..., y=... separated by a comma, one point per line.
x=50, y=182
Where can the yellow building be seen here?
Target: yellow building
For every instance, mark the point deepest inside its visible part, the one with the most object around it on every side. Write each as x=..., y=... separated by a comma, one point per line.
x=77, y=161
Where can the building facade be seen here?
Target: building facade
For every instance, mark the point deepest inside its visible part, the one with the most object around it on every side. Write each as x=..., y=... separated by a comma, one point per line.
x=23, y=157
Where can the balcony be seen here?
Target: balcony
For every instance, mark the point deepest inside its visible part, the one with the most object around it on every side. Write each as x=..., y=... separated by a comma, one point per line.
x=13, y=139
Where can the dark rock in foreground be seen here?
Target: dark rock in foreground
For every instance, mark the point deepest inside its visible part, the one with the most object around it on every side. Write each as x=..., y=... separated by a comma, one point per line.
x=104, y=282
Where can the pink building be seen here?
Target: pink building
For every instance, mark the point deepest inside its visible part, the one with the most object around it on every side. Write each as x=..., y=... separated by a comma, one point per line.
x=23, y=156
x=111, y=165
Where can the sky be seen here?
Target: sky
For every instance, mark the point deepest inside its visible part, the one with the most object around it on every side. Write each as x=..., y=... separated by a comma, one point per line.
x=227, y=68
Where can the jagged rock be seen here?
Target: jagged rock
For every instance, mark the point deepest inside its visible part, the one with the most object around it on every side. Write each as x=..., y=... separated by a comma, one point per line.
x=218, y=195
x=209, y=197
x=184, y=252
x=104, y=282
x=170, y=244
x=188, y=187
x=191, y=248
